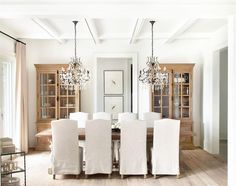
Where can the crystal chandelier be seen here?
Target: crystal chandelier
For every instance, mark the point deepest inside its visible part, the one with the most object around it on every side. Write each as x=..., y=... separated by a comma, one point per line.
x=152, y=74
x=75, y=77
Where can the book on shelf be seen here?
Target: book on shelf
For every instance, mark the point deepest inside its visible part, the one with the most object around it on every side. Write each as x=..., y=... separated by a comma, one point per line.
x=6, y=145
x=8, y=149
x=6, y=140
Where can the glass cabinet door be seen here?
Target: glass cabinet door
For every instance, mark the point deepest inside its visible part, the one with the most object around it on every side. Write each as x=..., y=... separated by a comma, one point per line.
x=47, y=99
x=181, y=98
x=162, y=100
x=186, y=95
x=177, y=96
x=67, y=102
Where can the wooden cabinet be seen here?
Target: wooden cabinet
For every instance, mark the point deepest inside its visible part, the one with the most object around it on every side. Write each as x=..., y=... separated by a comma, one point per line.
x=175, y=100
x=53, y=101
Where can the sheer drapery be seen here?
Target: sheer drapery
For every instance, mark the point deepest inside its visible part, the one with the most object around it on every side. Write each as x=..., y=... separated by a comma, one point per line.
x=21, y=98
x=7, y=90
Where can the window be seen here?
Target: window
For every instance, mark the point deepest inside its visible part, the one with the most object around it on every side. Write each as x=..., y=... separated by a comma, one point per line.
x=7, y=96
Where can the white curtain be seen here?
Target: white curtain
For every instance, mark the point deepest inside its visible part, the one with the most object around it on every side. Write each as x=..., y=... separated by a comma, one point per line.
x=21, y=98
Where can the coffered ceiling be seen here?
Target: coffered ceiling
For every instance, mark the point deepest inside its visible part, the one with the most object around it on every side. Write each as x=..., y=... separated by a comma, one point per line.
x=114, y=20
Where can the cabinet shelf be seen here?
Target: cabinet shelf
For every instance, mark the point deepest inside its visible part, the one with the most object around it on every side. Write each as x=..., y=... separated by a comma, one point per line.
x=180, y=83
x=46, y=95
x=48, y=84
x=65, y=96
x=67, y=107
x=47, y=107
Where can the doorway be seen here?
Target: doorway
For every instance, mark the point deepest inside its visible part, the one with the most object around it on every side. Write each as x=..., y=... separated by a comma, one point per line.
x=223, y=103
x=114, y=85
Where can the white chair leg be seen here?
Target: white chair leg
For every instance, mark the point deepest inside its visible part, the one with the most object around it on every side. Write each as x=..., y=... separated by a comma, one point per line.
x=178, y=176
x=109, y=176
x=155, y=176
x=122, y=176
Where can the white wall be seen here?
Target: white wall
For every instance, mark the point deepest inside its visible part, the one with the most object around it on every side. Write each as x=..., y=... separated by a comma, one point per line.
x=211, y=90
x=7, y=46
x=49, y=51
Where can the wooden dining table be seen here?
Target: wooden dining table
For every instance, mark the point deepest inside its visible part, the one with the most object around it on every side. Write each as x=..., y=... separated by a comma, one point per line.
x=81, y=133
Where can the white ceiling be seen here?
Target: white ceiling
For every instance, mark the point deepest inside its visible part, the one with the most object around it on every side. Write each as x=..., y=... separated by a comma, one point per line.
x=105, y=29
x=101, y=20
x=114, y=1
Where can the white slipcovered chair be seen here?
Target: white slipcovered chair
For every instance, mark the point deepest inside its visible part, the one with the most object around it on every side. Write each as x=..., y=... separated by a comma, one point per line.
x=165, y=152
x=98, y=153
x=133, y=156
x=102, y=115
x=126, y=116
x=80, y=117
x=66, y=155
x=150, y=117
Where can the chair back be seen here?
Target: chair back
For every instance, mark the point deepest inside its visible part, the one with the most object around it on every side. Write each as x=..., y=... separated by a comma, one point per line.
x=150, y=117
x=133, y=157
x=80, y=117
x=102, y=115
x=165, y=157
x=127, y=116
x=65, y=147
x=98, y=153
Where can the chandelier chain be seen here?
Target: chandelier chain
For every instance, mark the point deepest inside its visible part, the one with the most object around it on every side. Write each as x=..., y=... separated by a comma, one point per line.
x=75, y=23
x=152, y=22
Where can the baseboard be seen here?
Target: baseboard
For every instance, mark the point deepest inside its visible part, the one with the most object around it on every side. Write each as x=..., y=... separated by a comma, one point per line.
x=31, y=149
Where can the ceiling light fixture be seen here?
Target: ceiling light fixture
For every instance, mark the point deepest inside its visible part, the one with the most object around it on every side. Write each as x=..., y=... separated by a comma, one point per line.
x=75, y=77
x=152, y=74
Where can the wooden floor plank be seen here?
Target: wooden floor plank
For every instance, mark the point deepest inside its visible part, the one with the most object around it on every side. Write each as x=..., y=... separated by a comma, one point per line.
x=198, y=168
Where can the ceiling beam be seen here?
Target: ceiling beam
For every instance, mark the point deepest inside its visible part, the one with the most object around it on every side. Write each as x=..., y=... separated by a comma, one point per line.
x=136, y=31
x=119, y=10
x=180, y=30
x=93, y=30
x=48, y=28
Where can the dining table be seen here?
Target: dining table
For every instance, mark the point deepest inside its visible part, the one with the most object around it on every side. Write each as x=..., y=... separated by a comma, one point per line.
x=81, y=134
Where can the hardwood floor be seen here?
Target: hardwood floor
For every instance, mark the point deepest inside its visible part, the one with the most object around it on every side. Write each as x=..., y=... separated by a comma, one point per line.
x=197, y=168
